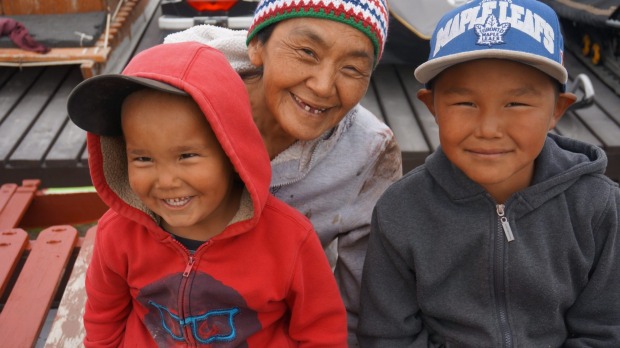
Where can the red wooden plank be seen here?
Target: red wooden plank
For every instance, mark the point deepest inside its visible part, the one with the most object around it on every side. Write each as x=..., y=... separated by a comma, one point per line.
x=17, y=205
x=68, y=327
x=55, y=207
x=13, y=242
x=26, y=308
x=6, y=192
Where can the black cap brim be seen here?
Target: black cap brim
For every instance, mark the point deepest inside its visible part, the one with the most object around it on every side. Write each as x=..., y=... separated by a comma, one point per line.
x=95, y=104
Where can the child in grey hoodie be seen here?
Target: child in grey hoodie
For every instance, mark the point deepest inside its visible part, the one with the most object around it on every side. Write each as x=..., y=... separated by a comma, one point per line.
x=507, y=236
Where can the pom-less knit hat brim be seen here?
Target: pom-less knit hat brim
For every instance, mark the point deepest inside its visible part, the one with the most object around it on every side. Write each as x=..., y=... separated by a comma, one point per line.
x=368, y=16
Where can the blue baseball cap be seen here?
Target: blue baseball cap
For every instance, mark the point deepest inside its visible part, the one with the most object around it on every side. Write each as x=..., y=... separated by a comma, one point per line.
x=526, y=31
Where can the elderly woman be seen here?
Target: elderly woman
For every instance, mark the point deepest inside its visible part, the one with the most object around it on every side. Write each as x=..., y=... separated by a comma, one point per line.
x=307, y=65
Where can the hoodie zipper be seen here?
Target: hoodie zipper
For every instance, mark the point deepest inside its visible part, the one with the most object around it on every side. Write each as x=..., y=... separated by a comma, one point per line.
x=187, y=330
x=499, y=275
x=189, y=266
x=183, y=291
x=504, y=221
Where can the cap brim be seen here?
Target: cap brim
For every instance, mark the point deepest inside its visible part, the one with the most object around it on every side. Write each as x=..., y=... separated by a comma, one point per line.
x=95, y=104
x=430, y=69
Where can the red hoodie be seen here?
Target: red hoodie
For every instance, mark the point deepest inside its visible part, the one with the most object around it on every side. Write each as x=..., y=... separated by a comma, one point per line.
x=263, y=282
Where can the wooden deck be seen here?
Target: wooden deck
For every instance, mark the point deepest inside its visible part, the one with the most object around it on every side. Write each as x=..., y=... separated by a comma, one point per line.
x=37, y=140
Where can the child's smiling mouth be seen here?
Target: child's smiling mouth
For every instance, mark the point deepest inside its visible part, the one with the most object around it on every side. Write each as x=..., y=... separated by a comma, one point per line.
x=488, y=153
x=177, y=202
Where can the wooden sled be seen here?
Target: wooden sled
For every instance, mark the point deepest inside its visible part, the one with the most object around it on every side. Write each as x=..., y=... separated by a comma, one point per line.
x=126, y=21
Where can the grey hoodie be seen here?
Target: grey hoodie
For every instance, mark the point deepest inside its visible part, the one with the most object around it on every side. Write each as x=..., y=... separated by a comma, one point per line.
x=440, y=272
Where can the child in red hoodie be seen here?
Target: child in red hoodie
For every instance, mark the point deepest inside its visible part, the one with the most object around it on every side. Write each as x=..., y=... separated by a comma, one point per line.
x=194, y=251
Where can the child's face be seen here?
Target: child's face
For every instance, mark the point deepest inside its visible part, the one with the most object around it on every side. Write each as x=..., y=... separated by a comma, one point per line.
x=176, y=165
x=493, y=117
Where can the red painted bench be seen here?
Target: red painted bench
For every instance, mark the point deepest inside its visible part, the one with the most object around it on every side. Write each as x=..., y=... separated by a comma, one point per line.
x=42, y=276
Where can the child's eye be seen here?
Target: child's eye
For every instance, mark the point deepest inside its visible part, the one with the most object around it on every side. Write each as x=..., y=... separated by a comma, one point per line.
x=141, y=161
x=465, y=103
x=512, y=104
x=188, y=155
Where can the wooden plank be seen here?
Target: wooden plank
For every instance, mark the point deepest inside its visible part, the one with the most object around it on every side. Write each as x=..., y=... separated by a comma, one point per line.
x=68, y=327
x=423, y=115
x=6, y=192
x=602, y=118
x=152, y=34
x=18, y=85
x=400, y=117
x=56, y=55
x=397, y=111
x=571, y=126
x=12, y=7
x=605, y=98
x=67, y=176
x=32, y=149
x=5, y=74
x=89, y=69
x=57, y=208
x=68, y=148
x=17, y=205
x=138, y=14
x=371, y=103
x=84, y=156
x=13, y=242
x=26, y=308
x=600, y=124
x=26, y=112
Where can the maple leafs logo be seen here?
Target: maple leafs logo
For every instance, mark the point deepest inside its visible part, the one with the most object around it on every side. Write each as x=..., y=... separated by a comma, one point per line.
x=492, y=32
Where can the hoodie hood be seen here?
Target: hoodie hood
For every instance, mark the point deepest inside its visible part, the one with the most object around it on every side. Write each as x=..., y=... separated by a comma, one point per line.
x=205, y=75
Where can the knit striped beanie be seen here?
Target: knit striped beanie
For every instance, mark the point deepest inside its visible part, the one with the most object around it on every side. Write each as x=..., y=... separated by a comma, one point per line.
x=368, y=16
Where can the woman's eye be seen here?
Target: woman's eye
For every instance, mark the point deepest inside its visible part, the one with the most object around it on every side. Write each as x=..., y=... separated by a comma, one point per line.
x=353, y=70
x=308, y=52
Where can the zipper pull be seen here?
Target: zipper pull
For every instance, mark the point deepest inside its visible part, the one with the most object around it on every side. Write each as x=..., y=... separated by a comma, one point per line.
x=189, y=266
x=505, y=225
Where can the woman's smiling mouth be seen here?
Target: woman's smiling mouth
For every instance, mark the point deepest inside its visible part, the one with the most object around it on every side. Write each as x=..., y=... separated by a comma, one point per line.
x=307, y=107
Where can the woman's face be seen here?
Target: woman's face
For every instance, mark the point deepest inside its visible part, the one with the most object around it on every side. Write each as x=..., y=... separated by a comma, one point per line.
x=314, y=72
